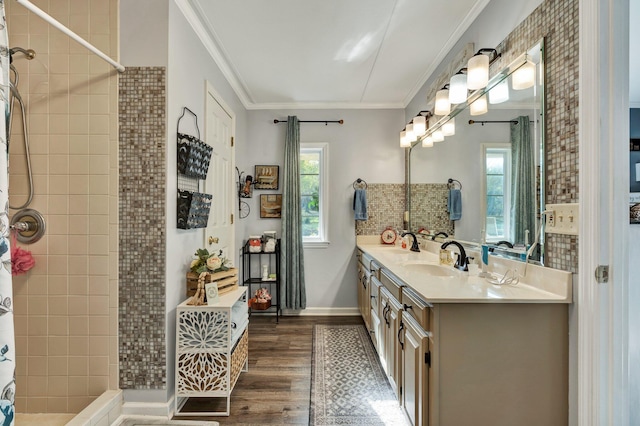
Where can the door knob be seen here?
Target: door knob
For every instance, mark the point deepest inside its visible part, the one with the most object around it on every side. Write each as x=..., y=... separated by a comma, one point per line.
x=214, y=240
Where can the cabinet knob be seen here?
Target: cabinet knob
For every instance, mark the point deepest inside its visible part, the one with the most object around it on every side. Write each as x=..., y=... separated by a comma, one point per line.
x=214, y=240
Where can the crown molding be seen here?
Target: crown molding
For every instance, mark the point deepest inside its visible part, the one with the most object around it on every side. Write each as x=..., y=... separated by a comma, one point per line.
x=323, y=105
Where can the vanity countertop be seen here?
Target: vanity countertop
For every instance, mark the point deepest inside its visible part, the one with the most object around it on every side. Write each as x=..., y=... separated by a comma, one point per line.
x=541, y=285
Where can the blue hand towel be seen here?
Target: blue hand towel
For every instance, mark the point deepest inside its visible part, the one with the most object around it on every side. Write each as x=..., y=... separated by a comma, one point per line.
x=454, y=204
x=360, y=204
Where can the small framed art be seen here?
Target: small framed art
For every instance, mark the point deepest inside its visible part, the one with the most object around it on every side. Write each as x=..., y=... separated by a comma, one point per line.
x=271, y=206
x=266, y=177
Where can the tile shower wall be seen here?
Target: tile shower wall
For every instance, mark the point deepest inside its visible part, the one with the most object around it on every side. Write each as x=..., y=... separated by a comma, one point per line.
x=142, y=228
x=66, y=306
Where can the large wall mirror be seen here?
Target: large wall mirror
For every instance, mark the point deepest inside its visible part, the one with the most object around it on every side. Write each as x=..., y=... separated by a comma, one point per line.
x=496, y=159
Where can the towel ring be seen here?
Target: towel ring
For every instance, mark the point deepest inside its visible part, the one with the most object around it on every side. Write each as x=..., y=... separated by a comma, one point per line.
x=451, y=183
x=358, y=184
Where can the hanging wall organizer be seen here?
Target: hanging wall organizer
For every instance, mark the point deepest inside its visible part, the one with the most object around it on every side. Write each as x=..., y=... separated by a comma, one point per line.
x=193, y=164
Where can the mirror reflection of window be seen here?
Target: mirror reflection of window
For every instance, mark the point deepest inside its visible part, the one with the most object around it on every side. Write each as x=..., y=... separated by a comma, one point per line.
x=497, y=190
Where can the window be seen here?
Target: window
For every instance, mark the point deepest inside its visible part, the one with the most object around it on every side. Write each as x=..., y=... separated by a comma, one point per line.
x=497, y=185
x=313, y=193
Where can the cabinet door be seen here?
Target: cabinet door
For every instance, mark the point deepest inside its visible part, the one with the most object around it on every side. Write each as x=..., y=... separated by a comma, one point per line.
x=393, y=346
x=415, y=365
x=365, y=307
x=384, y=334
x=374, y=332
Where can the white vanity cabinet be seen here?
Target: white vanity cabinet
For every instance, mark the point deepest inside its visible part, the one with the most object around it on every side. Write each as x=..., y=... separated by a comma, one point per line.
x=211, y=350
x=459, y=351
x=377, y=322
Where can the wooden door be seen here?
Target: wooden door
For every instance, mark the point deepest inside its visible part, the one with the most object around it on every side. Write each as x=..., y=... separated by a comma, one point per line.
x=220, y=181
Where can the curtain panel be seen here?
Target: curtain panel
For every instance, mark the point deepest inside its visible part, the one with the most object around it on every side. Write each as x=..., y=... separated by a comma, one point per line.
x=522, y=181
x=292, y=254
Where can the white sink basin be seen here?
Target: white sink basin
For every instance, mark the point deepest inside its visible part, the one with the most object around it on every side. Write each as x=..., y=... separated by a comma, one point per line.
x=431, y=269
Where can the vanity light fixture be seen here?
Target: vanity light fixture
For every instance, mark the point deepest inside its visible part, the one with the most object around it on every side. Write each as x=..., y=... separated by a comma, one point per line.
x=437, y=135
x=411, y=136
x=458, y=87
x=479, y=106
x=524, y=77
x=427, y=142
x=499, y=93
x=443, y=105
x=449, y=128
x=478, y=68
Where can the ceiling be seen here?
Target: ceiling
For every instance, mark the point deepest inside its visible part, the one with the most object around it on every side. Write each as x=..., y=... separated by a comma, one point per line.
x=281, y=54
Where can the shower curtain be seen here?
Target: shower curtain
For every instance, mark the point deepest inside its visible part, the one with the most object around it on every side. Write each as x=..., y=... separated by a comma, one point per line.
x=7, y=340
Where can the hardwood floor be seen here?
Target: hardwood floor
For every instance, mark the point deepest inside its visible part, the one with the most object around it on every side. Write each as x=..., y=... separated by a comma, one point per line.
x=277, y=387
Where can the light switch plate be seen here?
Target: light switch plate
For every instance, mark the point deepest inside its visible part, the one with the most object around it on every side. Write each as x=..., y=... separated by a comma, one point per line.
x=562, y=219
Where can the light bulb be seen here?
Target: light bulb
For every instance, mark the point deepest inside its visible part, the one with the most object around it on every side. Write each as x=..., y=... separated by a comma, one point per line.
x=479, y=106
x=458, y=88
x=524, y=77
x=410, y=135
x=427, y=142
x=438, y=136
x=478, y=72
x=499, y=93
x=419, y=125
x=449, y=128
x=404, y=141
x=443, y=107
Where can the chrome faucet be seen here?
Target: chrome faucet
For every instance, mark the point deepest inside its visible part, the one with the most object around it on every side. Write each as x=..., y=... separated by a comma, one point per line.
x=414, y=246
x=437, y=234
x=462, y=260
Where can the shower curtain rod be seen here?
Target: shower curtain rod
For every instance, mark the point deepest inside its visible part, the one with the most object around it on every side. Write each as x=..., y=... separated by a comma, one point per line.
x=496, y=121
x=42, y=14
x=276, y=121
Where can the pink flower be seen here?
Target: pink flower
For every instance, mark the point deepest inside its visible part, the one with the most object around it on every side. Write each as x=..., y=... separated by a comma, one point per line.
x=21, y=260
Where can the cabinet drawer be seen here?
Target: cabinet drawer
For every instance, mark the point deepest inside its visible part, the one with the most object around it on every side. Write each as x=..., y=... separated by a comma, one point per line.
x=392, y=284
x=416, y=307
x=375, y=269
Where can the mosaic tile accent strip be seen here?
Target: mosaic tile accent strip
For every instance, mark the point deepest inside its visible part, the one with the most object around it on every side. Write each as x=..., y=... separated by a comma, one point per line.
x=142, y=228
x=385, y=207
x=429, y=207
x=557, y=22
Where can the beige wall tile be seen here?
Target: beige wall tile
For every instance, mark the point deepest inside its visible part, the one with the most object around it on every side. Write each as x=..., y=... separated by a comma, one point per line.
x=37, y=405
x=99, y=265
x=37, y=305
x=79, y=327
x=99, y=366
x=78, y=204
x=99, y=345
x=58, y=224
x=58, y=244
x=98, y=384
x=58, y=325
x=58, y=285
x=57, y=404
x=58, y=386
x=58, y=185
x=78, y=306
x=58, y=204
x=78, y=366
x=99, y=223
x=98, y=325
x=37, y=365
x=59, y=144
x=58, y=365
x=57, y=265
x=58, y=305
x=78, y=269
x=78, y=385
x=99, y=245
x=79, y=224
x=78, y=345
x=79, y=245
x=37, y=346
x=36, y=386
x=99, y=285
x=99, y=305
x=38, y=325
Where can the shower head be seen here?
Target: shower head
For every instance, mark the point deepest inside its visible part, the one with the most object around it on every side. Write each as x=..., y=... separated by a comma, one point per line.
x=29, y=53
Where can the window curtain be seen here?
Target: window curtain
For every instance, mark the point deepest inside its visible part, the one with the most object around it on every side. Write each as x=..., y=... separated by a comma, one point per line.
x=7, y=339
x=522, y=181
x=292, y=253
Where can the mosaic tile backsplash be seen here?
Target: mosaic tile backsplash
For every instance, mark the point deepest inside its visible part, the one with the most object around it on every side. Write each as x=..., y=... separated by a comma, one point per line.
x=142, y=228
x=429, y=207
x=385, y=205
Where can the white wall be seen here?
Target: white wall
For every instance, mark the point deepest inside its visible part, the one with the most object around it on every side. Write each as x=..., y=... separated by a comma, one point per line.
x=365, y=146
x=143, y=32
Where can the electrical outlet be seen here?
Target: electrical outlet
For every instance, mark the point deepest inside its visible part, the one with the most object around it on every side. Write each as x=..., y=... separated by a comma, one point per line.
x=563, y=219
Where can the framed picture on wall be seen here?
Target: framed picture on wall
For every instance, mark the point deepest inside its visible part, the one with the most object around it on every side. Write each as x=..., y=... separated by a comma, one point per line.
x=266, y=177
x=271, y=206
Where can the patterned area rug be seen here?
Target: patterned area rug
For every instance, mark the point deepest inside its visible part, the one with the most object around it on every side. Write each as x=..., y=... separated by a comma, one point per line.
x=348, y=385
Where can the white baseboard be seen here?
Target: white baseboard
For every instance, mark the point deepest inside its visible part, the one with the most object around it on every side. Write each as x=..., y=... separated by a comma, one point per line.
x=322, y=312
x=161, y=409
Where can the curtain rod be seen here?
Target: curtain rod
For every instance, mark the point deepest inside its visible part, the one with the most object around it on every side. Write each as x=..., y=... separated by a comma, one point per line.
x=42, y=14
x=496, y=121
x=276, y=121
